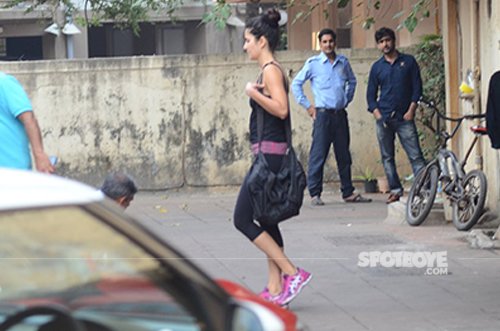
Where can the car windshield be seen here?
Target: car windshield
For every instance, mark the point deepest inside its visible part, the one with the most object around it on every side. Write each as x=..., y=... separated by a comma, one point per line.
x=66, y=256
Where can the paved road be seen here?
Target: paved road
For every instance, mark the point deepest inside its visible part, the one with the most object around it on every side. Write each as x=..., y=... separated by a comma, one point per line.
x=327, y=241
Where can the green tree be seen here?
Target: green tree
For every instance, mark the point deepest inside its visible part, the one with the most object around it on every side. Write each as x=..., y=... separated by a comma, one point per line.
x=429, y=54
x=125, y=13
x=419, y=10
x=130, y=13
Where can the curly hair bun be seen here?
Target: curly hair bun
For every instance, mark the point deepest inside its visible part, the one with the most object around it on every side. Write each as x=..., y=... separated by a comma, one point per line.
x=272, y=17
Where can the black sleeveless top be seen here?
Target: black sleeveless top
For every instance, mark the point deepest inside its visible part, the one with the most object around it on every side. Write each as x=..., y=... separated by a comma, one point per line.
x=274, y=127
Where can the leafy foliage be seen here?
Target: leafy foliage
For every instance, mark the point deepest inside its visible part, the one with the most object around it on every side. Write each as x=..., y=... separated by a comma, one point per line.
x=125, y=13
x=419, y=11
x=129, y=13
x=429, y=54
x=219, y=14
x=367, y=174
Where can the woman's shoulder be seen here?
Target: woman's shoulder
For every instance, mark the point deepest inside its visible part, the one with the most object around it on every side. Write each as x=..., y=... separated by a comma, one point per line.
x=274, y=69
x=272, y=66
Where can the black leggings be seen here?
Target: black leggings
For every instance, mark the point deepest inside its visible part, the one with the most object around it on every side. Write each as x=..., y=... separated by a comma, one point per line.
x=243, y=212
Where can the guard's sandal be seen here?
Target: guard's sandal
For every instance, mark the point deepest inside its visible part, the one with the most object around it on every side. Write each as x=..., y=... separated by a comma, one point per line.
x=357, y=198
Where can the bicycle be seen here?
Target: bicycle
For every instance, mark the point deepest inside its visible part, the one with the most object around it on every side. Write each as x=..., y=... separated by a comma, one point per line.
x=466, y=191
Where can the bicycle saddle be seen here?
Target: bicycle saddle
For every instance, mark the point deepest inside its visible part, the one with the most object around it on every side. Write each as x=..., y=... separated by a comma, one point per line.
x=479, y=129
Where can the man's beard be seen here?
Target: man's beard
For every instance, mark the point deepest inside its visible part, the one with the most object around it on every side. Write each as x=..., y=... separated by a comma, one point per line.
x=388, y=50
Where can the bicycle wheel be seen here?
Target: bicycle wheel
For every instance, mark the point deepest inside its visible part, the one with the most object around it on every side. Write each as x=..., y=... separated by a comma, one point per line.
x=422, y=194
x=467, y=210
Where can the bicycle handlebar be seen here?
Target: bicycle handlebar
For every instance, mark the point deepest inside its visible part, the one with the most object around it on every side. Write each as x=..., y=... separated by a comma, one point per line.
x=471, y=117
x=431, y=104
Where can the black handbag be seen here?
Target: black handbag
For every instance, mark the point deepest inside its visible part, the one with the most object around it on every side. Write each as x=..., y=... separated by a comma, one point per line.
x=278, y=196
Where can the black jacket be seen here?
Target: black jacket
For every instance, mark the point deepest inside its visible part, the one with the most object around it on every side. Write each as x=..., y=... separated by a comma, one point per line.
x=493, y=110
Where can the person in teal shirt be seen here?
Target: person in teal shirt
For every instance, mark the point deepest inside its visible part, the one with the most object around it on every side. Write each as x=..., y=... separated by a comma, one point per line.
x=19, y=129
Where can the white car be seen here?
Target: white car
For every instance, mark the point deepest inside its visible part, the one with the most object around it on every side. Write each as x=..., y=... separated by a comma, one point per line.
x=72, y=260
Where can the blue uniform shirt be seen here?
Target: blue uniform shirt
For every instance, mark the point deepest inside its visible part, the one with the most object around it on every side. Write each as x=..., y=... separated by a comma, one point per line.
x=332, y=84
x=14, y=143
x=392, y=87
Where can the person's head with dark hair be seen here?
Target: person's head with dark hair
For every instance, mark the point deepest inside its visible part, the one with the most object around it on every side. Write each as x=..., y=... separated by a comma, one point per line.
x=384, y=32
x=261, y=39
x=327, y=31
x=327, y=42
x=386, y=41
x=264, y=26
x=119, y=187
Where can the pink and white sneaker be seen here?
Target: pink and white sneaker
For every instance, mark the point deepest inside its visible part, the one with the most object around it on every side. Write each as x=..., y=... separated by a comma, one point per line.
x=266, y=295
x=292, y=285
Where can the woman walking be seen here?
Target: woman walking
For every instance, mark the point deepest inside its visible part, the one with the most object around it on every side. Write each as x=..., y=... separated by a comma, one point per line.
x=270, y=94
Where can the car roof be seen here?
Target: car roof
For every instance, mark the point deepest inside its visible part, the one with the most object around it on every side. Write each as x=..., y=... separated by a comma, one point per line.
x=27, y=189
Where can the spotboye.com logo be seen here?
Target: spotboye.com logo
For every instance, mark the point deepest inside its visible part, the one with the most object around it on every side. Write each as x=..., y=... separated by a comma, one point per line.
x=434, y=263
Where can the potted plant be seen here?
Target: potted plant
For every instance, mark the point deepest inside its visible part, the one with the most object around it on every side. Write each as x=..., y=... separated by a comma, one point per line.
x=369, y=179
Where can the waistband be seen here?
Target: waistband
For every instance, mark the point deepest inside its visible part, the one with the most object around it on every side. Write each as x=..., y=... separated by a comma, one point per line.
x=270, y=147
x=329, y=110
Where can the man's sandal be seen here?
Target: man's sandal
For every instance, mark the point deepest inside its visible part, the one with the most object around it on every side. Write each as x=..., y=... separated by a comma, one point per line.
x=392, y=198
x=357, y=198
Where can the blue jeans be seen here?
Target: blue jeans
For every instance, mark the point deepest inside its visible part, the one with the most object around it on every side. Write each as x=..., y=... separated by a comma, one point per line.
x=407, y=133
x=330, y=127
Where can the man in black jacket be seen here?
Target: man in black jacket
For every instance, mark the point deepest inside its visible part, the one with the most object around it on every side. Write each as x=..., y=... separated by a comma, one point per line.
x=493, y=110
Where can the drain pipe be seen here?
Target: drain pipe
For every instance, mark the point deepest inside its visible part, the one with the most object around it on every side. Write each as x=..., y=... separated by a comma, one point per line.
x=476, y=63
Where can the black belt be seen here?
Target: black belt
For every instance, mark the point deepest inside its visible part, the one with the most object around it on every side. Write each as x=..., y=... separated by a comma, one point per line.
x=322, y=109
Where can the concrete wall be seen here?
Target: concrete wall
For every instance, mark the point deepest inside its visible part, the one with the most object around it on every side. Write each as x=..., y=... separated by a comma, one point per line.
x=171, y=121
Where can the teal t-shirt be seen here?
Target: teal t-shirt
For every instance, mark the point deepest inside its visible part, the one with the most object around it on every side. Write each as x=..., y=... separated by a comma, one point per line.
x=14, y=143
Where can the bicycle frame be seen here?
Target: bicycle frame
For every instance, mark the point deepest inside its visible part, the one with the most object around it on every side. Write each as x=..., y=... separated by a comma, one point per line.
x=465, y=190
x=452, y=187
